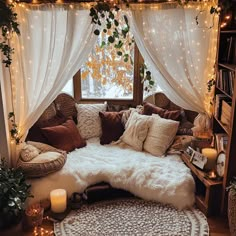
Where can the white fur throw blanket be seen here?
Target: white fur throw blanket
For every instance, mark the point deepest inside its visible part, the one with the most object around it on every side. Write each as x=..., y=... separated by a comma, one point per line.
x=163, y=179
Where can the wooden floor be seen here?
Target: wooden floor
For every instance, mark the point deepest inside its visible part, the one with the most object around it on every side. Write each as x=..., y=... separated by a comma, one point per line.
x=218, y=226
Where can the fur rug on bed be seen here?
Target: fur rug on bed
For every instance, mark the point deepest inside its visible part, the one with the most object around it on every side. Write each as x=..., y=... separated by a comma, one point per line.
x=163, y=179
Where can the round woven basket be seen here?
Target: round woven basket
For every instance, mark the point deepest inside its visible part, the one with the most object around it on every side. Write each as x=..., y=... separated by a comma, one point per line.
x=232, y=212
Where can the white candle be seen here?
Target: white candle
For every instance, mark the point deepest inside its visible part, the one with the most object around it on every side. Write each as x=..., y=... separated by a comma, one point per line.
x=58, y=200
x=211, y=155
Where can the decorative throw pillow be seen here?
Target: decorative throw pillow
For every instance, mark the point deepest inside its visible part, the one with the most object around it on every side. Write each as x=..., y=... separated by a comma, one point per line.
x=65, y=136
x=136, y=130
x=149, y=109
x=112, y=127
x=126, y=113
x=35, y=134
x=160, y=135
x=180, y=143
x=89, y=122
x=28, y=152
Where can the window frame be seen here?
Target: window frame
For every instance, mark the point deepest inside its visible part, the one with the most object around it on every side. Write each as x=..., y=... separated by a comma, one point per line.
x=137, y=86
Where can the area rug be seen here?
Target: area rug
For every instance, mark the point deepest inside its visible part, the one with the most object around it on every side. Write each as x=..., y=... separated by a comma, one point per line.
x=129, y=217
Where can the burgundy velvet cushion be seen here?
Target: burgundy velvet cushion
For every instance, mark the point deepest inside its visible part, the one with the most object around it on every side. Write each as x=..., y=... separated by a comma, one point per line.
x=112, y=127
x=149, y=109
x=35, y=134
x=65, y=136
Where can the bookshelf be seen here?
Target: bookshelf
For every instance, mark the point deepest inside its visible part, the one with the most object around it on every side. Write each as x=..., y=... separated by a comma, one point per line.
x=224, y=119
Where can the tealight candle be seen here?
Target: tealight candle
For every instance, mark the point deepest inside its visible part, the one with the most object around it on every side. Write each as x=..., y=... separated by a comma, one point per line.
x=212, y=175
x=211, y=155
x=33, y=216
x=58, y=200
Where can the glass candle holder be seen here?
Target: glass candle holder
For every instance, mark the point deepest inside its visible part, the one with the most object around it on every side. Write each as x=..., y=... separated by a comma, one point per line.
x=34, y=215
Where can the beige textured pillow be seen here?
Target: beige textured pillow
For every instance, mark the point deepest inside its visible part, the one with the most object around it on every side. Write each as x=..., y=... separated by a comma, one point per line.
x=89, y=123
x=160, y=135
x=29, y=152
x=136, y=130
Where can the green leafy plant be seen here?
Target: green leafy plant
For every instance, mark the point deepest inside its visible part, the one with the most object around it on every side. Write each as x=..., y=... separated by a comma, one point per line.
x=106, y=16
x=8, y=24
x=14, y=128
x=13, y=193
x=147, y=77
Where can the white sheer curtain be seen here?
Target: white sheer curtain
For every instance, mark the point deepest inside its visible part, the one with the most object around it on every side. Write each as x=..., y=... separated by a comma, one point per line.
x=180, y=54
x=54, y=43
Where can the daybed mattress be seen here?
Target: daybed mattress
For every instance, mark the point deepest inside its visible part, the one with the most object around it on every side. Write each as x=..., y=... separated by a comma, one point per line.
x=163, y=179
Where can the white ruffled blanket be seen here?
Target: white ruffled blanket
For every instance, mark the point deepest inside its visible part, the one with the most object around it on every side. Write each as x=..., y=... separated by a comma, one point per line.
x=163, y=179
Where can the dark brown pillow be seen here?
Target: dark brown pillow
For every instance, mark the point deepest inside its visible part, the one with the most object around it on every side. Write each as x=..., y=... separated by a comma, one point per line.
x=112, y=127
x=65, y=136
x=35, y=134
x=149, y=109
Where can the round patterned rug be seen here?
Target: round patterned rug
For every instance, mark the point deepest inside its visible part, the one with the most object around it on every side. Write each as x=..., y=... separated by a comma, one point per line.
x=129, y=217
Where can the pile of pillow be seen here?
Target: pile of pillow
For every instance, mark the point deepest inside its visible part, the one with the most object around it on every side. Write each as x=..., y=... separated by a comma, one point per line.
x=144, y=128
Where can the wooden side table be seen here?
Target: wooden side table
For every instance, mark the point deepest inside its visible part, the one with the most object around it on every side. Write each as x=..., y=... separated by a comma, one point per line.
x=208, y=192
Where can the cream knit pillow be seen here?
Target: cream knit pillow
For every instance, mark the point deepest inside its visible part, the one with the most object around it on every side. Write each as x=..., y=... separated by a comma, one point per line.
x=89, y=122
x=136, y=130
x=160, y=135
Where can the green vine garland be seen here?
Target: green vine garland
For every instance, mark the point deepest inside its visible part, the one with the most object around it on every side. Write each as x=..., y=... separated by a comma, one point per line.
x=8, y=24
x=14, y=128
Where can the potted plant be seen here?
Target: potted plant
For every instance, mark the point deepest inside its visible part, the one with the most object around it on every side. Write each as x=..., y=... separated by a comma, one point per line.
x=232, y=207
x=13, y=193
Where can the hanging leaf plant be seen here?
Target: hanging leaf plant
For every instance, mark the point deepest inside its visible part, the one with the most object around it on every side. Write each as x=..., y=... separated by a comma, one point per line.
x=107, y=17
x=8, y=24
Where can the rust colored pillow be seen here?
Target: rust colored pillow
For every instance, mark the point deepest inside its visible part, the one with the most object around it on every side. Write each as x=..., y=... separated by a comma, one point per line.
x=35, y=134
x=65, y=136
x=149, y=109
x=112, y=127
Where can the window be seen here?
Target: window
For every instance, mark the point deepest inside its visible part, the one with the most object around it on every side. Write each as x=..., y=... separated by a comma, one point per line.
x=108, y=76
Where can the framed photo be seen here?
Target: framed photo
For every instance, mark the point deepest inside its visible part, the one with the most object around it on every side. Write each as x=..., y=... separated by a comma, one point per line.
x=199, y=160
x=196, y=157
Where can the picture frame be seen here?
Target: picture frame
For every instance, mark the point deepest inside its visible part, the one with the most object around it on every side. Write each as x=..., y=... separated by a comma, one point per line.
x=196, y=158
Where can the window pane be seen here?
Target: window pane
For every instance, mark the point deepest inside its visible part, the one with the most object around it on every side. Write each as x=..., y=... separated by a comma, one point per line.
x=107, y=75
x=69, y=88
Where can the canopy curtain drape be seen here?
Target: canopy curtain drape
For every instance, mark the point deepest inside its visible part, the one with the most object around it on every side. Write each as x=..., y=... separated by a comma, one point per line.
x=53, y=44
x=179, y=53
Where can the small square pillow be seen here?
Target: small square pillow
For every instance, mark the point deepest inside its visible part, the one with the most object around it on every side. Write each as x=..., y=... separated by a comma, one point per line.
x=29, y=152
x=136, y=130
x=65, y=136
x=89, y=122
x=149, y=109
x=112, y=127
x=160, y=135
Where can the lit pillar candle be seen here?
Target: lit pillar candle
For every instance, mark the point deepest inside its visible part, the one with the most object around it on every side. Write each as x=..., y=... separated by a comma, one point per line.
x=211, y=155
x=58, y=200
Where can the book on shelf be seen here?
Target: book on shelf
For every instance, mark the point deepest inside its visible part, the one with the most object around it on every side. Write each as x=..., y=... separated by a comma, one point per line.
x=221, y=141
x=225, y=81
x=218, y=104
x=226, y=112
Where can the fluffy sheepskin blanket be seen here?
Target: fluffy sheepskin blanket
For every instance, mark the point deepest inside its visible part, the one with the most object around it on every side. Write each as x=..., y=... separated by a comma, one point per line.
x=163, y=179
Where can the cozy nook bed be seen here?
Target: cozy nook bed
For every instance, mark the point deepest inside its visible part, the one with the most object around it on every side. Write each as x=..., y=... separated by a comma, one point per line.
x=162, y=178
